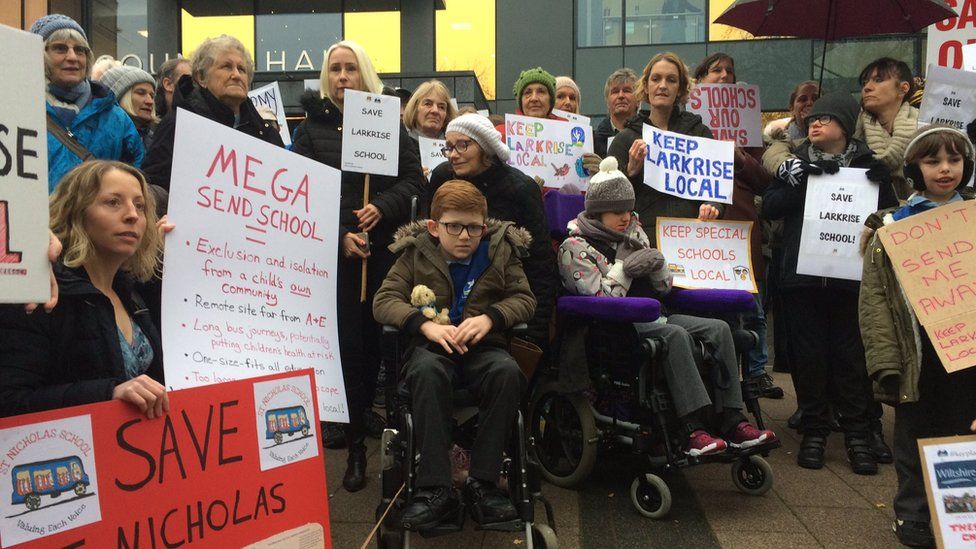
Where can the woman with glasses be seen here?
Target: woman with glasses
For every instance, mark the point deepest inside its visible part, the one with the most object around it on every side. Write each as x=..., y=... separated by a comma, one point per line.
x=476, y=153
x=364, y=232
x=89, y=123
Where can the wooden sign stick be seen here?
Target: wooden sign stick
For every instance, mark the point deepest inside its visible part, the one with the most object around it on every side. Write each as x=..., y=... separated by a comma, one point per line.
x=362, y=292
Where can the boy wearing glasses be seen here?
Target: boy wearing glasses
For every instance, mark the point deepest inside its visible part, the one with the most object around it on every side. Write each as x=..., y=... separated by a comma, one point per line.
x=473, y=266
x=822, y=313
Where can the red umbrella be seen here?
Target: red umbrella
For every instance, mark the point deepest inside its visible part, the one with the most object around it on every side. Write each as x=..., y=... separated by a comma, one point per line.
x=832, y=19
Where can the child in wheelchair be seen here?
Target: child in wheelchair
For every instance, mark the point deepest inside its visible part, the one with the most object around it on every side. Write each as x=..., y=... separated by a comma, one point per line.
x=608, y=254
x=472, y=265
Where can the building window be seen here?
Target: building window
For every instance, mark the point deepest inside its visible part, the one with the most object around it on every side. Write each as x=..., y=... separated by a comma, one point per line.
x=639, y=22
x=466, y=41
x=295, y=42
x=378, y=32
x=600, y=23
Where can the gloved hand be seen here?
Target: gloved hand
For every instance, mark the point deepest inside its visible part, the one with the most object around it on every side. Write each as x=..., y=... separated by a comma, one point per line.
x=643, y=262
x=829, y=167
x=878, y=173
x=591, y=163
x=795, y=171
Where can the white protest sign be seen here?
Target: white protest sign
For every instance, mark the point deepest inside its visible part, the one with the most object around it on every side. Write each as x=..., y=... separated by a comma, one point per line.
x=833, y=218
x=550, y=149
x=969, y=57
x=312, y=84
x=949, y=98
x=947, y=37
x=949, y=470
x=689, y=167
x=270, y=96
x=731, y=111
x=484, y=112
x=24, y=267
x=431, y=152
x=455, y=104
x=370, y=133
x=707, y=254
x=572, y=117
x=249, y=285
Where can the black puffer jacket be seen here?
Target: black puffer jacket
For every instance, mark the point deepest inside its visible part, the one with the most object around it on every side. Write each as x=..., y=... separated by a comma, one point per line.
x=319, y=137
x=514, y=196
x=158, y=165
x=650, y=203
x=784, y=201
x=71, y=355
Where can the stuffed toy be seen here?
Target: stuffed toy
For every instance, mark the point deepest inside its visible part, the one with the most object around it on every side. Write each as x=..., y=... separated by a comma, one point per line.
x=424, y=299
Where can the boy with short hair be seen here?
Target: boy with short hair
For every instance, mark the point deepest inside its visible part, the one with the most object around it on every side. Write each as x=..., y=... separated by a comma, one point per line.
x=472, y=265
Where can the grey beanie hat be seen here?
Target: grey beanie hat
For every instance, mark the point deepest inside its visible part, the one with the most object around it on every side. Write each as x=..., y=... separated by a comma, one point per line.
x=121, y=79
x=45, y=26
x=841, y=106
x=479, y=128
x=609, y=190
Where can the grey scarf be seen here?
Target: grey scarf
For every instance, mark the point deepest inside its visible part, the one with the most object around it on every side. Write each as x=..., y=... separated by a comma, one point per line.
x=593, y=228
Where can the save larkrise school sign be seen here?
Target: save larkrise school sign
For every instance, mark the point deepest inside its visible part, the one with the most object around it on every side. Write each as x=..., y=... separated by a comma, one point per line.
x=231, y=465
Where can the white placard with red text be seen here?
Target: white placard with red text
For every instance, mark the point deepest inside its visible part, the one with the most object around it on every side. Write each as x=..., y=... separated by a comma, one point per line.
x=947, y=37
x=707, y=254
x=24, y=267
x=731, y=111
x=949, y=470
x=249, y=285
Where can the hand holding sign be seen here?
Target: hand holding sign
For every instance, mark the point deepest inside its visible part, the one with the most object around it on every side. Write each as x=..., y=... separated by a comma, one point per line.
x=694, y=168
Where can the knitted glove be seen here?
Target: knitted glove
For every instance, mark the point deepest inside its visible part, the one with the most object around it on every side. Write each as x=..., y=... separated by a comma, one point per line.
x=829, y=167
x=794, y=171
x=878, y=173
x=591, y=163
x=643, y=262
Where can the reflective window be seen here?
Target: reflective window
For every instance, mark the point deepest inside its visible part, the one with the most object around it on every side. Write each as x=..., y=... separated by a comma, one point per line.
x=466, y=41
x=664, y=21
x=600, y=22
x=378, y=32
x=290, y=42
x=120, y=29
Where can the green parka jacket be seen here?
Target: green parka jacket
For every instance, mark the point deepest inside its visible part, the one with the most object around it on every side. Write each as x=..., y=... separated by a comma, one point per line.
x=501, y=292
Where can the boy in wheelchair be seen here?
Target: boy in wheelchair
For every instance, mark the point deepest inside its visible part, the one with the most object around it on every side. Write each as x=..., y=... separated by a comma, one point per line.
x=473, y=267
x=608, y=254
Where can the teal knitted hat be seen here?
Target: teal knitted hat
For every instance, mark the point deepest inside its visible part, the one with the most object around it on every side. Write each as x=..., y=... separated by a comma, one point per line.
x=533, y=76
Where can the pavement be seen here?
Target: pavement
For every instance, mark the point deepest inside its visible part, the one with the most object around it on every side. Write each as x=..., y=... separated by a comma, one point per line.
x=831, y=507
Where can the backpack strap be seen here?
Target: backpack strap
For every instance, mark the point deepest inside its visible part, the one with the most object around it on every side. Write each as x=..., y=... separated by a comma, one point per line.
x=68, y=139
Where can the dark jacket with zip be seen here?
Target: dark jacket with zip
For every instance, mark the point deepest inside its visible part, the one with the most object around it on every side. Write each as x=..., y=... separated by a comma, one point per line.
x=158, y=165
x=72, y=355
x=501, y=291
x=784, y=201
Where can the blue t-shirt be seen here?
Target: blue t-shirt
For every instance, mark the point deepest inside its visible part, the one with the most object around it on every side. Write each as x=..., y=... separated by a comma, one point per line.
x=917, y=204
x=463, y=275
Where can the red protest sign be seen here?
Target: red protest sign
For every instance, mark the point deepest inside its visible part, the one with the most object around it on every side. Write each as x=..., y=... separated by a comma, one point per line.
x=231, y=465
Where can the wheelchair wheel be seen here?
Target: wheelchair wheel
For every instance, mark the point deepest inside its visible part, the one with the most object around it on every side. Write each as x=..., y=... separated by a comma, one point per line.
x=544, y=537
x=753, y=477
x=564, y=435
x=650, y=496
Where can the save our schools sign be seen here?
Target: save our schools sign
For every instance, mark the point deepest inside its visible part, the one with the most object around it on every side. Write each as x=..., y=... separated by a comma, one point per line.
x=231, y=465
x=731, y=111
x=549, y=149
x=695, y=168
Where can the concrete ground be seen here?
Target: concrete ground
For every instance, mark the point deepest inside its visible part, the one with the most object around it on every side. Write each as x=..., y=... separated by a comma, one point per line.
x=805, y=509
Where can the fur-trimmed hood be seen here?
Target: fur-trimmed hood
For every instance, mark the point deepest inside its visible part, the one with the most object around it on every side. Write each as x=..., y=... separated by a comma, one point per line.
x=412, y=234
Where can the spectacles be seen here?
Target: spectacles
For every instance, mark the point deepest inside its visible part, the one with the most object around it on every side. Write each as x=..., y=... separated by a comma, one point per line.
x=460, y=146
x=823, y=119
x=62, y=49
x=454, y=229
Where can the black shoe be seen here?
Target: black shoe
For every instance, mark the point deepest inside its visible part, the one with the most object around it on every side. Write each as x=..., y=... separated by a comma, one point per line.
x=882, y=453
x=913, y=533
x=355, y=478
x=794, y=421
x=487, y=503
x=333, y=437
x=768, y=388
x=429, y=507
x=374, y=424
x=811, y=454
x=860, y=455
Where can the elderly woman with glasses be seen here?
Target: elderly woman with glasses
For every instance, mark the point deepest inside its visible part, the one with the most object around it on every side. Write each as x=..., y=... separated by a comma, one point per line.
x=89, y=123
x=476, y=153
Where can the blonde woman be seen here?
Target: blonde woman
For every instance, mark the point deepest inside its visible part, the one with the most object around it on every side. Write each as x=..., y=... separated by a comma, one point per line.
x=135, y=91
x=364, y=231
x=429, y=110
x=99, y=343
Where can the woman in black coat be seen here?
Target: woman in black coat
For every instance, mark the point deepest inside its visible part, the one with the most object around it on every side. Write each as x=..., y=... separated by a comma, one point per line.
x=319, y=137
x=99, y=342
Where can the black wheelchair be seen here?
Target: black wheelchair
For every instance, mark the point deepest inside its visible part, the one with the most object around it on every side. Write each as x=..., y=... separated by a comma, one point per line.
x=399, y=458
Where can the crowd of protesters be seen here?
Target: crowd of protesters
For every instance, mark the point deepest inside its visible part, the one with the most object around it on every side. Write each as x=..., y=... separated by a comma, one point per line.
x=849, y=346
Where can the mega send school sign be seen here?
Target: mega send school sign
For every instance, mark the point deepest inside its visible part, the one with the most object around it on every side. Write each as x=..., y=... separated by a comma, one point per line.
x=24, y=265
x=249, y=285
x=731, y=111
x=688, y=167
x=551, y=150
x=231, y=465
x=934, y=257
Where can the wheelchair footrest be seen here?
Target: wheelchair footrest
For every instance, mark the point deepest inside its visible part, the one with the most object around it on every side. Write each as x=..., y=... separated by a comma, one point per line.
x=446, y=527
x=516, y=525
x=751, y=389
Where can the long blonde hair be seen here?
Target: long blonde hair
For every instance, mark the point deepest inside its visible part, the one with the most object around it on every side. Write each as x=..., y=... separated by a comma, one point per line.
x=427, y=89
x=75, y=193
x=367, y=73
